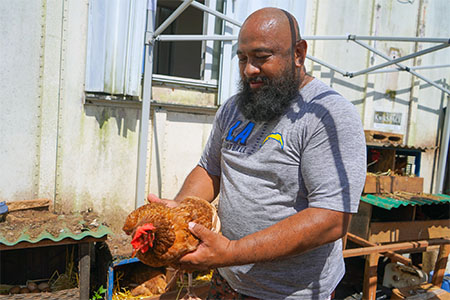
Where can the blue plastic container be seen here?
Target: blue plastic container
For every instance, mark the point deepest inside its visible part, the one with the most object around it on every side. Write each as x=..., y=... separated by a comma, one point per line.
x=3, y=210
x=445, y=283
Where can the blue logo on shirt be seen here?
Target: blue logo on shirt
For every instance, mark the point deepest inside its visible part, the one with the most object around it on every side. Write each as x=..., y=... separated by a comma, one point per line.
x=242, y=136
x=237, y=138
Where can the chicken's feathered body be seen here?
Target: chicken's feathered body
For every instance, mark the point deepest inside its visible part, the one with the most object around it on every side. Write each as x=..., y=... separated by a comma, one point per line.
x=168, y=237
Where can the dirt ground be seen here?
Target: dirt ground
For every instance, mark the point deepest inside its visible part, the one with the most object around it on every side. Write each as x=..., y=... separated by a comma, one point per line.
x=34, y=222
x=120, y=245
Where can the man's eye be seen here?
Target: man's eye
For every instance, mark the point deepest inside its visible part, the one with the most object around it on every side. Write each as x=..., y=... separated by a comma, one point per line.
x=242, y=59
x=263, y=57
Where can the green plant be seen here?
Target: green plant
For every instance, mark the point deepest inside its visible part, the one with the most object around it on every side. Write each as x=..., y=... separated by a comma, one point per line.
x=98, y=294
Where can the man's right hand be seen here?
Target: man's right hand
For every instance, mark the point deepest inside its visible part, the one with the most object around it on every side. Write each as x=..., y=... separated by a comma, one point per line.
x=155, y=199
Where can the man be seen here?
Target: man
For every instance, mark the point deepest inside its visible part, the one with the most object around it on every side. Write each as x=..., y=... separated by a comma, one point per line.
x=287, y=154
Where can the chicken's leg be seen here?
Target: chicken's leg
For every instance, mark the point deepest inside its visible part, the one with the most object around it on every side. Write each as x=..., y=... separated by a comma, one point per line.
x=190, y=295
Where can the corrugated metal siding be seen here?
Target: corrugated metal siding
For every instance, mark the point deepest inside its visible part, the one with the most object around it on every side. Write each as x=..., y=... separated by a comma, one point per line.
x=391, y=202
x=115, y=46
x=101, y=231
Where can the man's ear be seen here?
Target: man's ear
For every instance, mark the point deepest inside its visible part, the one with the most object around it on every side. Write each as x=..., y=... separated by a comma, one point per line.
x=300, y=53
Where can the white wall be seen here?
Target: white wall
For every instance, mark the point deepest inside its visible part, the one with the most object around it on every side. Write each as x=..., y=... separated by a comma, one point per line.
x=21, y=94
x=53, y=145
x=419, y=103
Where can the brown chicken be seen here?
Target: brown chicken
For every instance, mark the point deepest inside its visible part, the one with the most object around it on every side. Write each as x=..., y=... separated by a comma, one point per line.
x=161, y=235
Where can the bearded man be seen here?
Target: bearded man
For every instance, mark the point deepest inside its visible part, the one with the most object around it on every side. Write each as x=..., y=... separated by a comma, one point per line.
x=287, y=154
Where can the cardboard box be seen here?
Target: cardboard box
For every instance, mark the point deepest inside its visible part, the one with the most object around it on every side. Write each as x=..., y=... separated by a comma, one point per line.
x=392, y=184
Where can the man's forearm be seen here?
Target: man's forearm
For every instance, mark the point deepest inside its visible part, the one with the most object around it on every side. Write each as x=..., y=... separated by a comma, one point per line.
x=299, y=233
x=201, y=184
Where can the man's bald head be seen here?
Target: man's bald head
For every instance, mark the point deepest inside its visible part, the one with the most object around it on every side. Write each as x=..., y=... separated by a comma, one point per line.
x=272, y=21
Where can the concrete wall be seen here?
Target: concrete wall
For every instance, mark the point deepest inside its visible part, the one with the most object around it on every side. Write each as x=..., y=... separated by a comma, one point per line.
x=56, y=144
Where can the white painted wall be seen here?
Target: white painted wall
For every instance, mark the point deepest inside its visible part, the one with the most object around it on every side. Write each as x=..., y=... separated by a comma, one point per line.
x=419, y=103
x=53, y=145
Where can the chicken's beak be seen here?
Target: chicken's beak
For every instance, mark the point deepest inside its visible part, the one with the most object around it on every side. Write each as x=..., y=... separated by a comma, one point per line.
x=134, y=253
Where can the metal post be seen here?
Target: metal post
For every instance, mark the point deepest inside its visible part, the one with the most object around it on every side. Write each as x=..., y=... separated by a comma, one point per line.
x=172, y=17
x=398, y=39
x=194, y=37
x=411, y=68
x=321, y=62
x=400, y=59
x=374, y=38
x=403, y=67
x=215, y=13
x=443, y=150
x=145, y=111
x=225, y=59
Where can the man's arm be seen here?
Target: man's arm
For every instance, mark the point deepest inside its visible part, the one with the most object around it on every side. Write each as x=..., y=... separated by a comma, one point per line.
x=201, y=184
x=198, y=183
x=299, y=233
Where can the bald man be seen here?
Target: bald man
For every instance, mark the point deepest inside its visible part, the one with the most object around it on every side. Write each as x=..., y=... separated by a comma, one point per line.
x=287, y=154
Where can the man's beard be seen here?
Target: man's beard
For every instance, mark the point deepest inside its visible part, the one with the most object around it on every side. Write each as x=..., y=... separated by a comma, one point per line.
x=271, y=100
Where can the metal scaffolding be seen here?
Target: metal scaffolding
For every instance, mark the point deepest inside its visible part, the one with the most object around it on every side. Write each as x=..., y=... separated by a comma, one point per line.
x=153, y=36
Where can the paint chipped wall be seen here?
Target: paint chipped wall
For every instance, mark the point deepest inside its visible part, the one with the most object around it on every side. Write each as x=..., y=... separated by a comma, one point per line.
x=79, y=155
x=420, y=105
x=55, y=146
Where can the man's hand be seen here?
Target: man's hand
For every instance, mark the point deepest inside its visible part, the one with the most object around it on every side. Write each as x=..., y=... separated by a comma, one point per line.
x=214, y=250
x=152, y=198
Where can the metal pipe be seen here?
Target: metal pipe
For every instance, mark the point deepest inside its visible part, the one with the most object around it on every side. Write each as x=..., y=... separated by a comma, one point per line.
x=375, y=38
x=192, y=37
x=443, y=152
x=325, y=37
x=403, y=67
x=400, y=59
x=183, y=6
x=411, y=68
x=145, y=110
x=398, y=39
x=215, y=13
x=314, y=59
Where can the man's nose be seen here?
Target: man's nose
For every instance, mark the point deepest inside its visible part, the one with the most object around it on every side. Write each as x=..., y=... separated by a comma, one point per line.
x=251, y=70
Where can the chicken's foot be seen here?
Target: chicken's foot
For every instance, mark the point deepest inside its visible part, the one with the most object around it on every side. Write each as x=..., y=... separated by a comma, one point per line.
x=190, y=294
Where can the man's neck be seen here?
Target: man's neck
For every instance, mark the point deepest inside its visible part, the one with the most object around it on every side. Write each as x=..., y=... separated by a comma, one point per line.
x=307, y=79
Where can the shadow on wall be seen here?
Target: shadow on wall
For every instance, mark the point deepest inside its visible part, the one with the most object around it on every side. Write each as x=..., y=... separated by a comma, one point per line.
x=126, y=118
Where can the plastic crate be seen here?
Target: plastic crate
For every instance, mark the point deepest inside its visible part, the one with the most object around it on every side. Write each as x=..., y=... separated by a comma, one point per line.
x=110, y=279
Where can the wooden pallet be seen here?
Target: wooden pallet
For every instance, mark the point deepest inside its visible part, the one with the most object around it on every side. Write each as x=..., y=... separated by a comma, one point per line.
x=381, y=137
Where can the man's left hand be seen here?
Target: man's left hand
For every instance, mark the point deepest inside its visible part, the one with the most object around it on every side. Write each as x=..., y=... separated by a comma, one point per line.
x=212, y=252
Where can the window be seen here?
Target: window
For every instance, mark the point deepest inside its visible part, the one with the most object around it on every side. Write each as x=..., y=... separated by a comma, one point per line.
x=115, y=46
x=189, y=59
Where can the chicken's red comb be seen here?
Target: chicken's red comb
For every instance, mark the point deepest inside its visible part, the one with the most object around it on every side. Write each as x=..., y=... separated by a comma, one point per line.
x=135, y=242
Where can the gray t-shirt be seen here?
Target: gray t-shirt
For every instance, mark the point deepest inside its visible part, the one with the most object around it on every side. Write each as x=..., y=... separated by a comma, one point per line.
x=313, y=156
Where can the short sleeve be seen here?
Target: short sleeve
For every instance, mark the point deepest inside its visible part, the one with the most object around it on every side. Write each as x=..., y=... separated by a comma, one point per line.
x=211, y=156
x=333, y=161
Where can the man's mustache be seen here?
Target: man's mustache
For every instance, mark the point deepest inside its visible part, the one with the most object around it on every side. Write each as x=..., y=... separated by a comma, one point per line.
x=256, y=79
